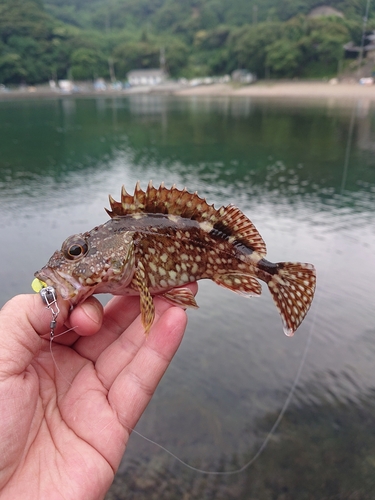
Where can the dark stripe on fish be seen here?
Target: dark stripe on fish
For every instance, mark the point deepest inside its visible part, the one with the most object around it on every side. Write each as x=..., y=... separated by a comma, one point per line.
x=269, y=267
x=224, y=233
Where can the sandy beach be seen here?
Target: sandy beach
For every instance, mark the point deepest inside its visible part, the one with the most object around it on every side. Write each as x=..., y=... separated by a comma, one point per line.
x=339, y=93
x=288, y=90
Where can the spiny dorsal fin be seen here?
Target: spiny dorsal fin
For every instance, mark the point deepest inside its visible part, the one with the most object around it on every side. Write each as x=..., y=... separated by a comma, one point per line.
x=228, y=222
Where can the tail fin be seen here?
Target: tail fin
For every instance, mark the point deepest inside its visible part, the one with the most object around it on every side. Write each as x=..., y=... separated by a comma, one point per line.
x=292, y=288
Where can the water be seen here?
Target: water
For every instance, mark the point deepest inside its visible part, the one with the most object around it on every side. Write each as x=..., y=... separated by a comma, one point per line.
x=305, y=175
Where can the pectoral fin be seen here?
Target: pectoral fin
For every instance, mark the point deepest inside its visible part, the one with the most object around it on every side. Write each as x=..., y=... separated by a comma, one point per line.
x=146, y=301
x=182, y=297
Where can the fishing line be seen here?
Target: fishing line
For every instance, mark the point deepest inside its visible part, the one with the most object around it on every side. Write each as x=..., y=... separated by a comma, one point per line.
x=49, y=298
x=266, y=440
x=347, y=150
x=270, y=433
x=51, y=339
x=303, y=358
x=48, y=295
x=299, y=370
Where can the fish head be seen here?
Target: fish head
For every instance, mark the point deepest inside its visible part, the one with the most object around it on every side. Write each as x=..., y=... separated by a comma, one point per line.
x=95, y=262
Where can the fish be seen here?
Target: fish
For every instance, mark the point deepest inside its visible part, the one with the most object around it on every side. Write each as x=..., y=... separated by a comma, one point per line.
x=159, y=240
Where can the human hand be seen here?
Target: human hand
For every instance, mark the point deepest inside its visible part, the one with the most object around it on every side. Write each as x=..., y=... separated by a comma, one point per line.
x=66, y=417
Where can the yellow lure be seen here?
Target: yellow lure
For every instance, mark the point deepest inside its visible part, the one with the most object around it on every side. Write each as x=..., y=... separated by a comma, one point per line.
x=37, y=285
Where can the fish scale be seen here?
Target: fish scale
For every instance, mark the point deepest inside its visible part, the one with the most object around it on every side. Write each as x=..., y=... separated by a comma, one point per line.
x=161, y=239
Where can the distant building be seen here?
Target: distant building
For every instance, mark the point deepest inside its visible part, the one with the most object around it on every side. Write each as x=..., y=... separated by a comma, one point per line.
x=151, y=77
x=243, y=76
x=368, y=48
x=66, y=86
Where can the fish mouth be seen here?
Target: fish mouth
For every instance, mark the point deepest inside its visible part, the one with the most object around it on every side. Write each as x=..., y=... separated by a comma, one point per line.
x=67, y=287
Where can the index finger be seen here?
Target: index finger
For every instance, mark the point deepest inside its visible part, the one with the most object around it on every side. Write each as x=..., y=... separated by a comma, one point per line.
x=119, y=314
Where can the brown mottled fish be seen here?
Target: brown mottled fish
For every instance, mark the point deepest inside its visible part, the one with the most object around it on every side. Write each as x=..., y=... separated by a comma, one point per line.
x=160, y=239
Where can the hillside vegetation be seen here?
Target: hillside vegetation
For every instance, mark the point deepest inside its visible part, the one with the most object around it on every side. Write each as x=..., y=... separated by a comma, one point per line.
x=40, y=40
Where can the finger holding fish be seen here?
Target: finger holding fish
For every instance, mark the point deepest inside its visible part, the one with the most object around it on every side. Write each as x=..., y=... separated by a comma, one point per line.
x=85, y=319
x=125, y=350
x=120, y=324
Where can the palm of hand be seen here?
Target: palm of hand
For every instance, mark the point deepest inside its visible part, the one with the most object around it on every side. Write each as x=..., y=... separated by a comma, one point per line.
x=69, y=415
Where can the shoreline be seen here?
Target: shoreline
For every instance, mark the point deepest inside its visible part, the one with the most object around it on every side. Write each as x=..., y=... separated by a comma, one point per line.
x=340, y=92
x=289, y=90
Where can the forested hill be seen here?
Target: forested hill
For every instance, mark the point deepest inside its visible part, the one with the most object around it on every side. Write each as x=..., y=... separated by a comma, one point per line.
x=40, y=40
x=186, y=16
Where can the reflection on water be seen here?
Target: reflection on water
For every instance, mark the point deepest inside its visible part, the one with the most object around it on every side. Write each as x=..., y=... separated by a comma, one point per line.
x=307, y=180
x=321, y=450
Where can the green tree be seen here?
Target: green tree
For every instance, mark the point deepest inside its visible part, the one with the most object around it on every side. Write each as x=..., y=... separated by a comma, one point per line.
x=135, y=55
x=170, y=14
x=212, y=39
x=23, y=18
x=34, y=56
x=248, y=46
x=11, y=68
x=322, y=46
x=29, y=47
x=283, y=58
x=176, y=54
x=87, y=64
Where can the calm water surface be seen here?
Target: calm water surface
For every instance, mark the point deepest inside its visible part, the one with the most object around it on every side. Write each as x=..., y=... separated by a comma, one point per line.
x=305, y=175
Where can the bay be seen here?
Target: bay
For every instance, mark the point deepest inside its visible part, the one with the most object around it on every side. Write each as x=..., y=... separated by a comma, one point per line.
x=305, y=175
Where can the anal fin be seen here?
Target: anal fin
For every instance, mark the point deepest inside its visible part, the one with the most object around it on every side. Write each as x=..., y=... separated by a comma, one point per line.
x=245, y=284
x=182, y=297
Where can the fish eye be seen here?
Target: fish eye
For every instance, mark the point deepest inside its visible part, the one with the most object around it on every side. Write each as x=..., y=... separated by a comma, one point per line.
x=74, y=248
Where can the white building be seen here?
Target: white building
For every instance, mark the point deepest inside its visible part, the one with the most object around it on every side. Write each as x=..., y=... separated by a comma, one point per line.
x=151, y=77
